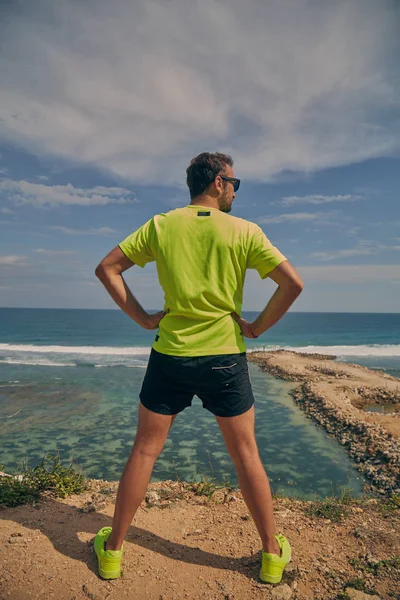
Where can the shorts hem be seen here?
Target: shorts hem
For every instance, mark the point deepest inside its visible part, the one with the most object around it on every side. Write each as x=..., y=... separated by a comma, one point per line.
x=162, y=411
x=236, y=414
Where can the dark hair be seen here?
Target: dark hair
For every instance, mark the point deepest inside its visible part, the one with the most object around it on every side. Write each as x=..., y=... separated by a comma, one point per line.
x=203, y=169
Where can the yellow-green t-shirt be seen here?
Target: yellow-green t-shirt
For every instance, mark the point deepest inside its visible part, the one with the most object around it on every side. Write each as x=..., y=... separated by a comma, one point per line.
x=201, y=255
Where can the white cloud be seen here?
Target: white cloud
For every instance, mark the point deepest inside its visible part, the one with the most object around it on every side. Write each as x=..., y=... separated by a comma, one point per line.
x=43, y=178
x=362, y=250
x=140, y=88
x=342, y=253
x=6, y=211
x=55, y=252
x=38, y=194
x=297, y=217
x=353, y=231
x=352, y=274
x=93, y=231
x=14, y=260
x=389, y=248
x=317, y=199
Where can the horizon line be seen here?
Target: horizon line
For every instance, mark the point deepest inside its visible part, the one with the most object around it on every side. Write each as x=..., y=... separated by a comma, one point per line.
x=311, y=312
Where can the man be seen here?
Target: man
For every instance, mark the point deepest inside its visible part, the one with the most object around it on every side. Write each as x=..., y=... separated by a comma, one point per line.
x=202, y=254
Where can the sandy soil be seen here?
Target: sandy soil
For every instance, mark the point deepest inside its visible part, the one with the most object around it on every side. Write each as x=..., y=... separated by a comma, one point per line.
x=186, y=546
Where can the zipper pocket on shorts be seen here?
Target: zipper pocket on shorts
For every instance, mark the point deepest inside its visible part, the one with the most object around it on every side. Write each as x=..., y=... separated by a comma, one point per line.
x=229, y=367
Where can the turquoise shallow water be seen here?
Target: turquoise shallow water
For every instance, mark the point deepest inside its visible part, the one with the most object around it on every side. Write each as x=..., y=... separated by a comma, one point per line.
x=97, y=410
x=73, y=377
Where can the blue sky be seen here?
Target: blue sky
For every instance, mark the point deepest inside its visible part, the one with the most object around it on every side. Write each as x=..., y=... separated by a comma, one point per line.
x=102, y=110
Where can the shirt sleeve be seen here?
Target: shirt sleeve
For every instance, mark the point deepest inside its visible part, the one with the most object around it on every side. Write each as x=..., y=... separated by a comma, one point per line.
x=139, y=246
x=262, y=255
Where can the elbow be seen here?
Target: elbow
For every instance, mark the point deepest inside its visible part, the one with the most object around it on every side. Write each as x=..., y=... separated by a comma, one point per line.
x=299, y=286
x=99, y=271
x=105, y=272
x=295, y=287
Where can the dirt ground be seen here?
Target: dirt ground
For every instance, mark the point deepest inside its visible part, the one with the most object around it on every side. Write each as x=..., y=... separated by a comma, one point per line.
x=182, y=545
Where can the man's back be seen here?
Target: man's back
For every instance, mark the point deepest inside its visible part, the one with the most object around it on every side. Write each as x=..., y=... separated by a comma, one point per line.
x=202, y=255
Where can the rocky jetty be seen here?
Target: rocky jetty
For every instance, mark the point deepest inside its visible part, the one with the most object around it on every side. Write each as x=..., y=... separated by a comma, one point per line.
x=335, y=395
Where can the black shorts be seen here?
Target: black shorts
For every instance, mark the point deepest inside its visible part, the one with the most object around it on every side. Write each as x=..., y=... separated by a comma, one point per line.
x=220, y=381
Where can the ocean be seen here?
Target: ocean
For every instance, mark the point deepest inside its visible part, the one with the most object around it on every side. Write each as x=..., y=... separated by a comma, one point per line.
x=70, y=383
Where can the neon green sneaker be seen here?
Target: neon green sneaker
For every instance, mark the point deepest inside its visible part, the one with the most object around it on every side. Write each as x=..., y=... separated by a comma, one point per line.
x=109, y=560
x=272, y=565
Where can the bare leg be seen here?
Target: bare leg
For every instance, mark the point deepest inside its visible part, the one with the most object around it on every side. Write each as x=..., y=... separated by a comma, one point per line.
x=151, y=434
x=238, y=433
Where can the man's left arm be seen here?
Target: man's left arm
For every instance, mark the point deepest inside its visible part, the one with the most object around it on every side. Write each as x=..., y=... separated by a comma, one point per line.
x=109, y=271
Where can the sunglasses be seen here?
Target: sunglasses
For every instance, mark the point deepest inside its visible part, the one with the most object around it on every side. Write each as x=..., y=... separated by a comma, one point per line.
x=236, y=182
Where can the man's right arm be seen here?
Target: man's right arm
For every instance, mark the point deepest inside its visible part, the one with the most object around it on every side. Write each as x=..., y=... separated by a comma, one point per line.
x=290, y=286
